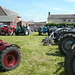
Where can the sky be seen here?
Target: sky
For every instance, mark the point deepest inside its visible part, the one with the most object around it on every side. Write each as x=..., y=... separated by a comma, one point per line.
x=37, y=10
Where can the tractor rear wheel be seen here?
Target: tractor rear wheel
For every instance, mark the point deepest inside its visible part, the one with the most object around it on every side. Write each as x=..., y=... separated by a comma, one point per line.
x=49, y=31
x=26, y=32
x=10, y=58
x=65, y=43
x=16, y=33
x=62, y=31
x=10, y=31
x=2, y=32
x=40, y=33
x=70, y=62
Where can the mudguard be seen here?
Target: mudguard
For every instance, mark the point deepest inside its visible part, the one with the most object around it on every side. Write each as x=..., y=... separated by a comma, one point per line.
x=4, y=45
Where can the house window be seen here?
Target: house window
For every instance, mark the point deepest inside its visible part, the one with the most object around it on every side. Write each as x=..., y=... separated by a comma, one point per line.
x=68, y=20
x=64, y=20
x=73, y=20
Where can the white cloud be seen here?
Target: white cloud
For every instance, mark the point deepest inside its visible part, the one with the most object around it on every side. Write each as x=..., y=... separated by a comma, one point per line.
x=42, y=6
x=70, y=0
x=47, y=7
x=34, y=17
x=56, y=8
x=40, y=17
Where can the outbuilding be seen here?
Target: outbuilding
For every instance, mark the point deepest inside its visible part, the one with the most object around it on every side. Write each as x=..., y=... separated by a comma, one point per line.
x=8, y=17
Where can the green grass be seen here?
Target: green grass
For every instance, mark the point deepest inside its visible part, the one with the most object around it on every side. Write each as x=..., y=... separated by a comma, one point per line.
x=36, y=58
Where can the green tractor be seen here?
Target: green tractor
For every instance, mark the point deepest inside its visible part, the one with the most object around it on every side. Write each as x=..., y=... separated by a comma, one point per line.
x=21, y=30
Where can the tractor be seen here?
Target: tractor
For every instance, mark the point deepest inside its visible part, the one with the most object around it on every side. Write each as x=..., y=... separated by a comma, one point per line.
x=7, y=29
x=43, y=30
x=21, y=30
x=56, y=34
x=67, y=47
x=10, y=56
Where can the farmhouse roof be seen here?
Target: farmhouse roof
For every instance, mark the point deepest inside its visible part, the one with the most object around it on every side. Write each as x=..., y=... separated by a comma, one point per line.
x=40, y=22
x=7, y=15
x=69, y=16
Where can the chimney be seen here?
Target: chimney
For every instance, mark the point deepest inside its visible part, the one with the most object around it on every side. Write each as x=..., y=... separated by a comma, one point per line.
x=48, y=13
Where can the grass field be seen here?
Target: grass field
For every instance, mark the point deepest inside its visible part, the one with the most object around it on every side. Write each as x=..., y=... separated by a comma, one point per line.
x=36, y=58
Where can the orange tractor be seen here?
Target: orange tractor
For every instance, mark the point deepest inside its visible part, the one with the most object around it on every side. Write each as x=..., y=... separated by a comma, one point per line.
x=7, y=29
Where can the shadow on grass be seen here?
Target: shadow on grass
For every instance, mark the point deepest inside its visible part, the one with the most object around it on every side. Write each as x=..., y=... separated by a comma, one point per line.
x=55, y=43
x=57, y=48
x=61, y=64
x=57, y=53
x=14, y=35
x=40, y=35
x=1, y=71
x=7, y=35
x=63, y=73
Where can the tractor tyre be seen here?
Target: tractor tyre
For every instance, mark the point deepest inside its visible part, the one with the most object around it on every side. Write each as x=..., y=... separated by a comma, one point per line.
x=16, y=32
x=0, y=31
x=62, y=31
x=10, y=31
x=10, y=58
x=70, y=61
x=49, y=31
x=65, y=43
x=26, y=32
x=40, y=33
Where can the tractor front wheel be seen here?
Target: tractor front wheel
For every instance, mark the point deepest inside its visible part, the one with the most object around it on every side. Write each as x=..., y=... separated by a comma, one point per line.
x=70, y=62
x=10, y=31
x=16, y=33
x=40, y=33
x=26, y=32
x=2, y=32
x=49, y=31
x=10, y=58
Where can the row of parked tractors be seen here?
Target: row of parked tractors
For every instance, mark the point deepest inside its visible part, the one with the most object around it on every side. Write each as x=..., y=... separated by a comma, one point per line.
x=10, y=55
x=9, y=30
x=47, y=29
x=66, y=44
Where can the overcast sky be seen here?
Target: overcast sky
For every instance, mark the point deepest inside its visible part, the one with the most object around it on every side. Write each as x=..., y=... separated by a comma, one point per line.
x=37, y=10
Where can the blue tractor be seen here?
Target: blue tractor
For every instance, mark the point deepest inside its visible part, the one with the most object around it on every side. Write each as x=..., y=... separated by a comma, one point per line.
x=43, y=30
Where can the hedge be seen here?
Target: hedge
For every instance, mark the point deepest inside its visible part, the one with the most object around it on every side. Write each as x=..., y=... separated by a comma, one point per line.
x=54, y=24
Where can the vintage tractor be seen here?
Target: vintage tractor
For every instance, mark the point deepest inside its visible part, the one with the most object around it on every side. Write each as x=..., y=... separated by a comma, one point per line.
x=7, y=29
x=21, y=30
x=56, y=34
x=10, y=56
x=43, y=30
x=70, y=61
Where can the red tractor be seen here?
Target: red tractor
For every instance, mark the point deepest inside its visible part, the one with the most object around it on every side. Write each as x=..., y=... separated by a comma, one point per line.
x=10, y=56
x=7, y=29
